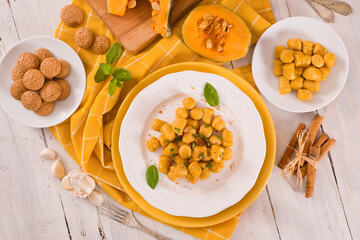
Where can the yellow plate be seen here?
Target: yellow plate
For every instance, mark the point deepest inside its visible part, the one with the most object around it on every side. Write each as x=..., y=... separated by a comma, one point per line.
x=263, y=175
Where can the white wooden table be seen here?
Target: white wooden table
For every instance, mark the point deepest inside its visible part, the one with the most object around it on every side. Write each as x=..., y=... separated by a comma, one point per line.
x=33, y=204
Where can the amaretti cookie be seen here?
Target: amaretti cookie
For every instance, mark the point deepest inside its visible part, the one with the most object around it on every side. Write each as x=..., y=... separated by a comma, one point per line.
x=84, y=37
x=31, y=100
x=45, y=109
x=43, y=53
x=71, y=15
x=65, y=69
x=51, y=91
x=17, y=89
x=65, y=86
x=101, y=44
x=18, y=72
x=28, y=60
x=50, y=67
x=33, y=79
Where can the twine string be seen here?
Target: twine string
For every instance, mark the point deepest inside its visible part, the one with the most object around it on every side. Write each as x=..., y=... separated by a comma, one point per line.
x=294, y=164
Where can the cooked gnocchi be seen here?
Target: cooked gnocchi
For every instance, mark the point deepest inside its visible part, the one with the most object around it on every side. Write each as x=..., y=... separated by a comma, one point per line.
x=194, y=145
x=301, y=66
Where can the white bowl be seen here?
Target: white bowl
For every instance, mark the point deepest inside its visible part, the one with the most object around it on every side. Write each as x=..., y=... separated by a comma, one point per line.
x=63, y=109
x=306, y=29
x=221, y=190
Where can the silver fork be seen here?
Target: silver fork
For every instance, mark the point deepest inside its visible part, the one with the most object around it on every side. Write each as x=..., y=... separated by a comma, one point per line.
x=126, y=218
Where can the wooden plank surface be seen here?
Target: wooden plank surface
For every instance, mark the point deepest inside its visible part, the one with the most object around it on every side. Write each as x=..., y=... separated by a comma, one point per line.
x=133, y=30
x=34, y=206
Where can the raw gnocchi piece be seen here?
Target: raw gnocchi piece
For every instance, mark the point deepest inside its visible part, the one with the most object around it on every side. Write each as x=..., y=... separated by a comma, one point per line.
x=185, y=151
x=205, y=130
x=215, y=140
x=163, y=141
x=286, y=56
x=289, y=71
x=189, y=135
x=199, y=153
x=180, y=171
x=304, y=95
x=194, y=169
x=277, y=69
x=319, y=49
x=216, y=167
x=191, y=178
x=171, y=174
x=302, y=60
x=308, y=47
x=205, y=174
x=152, y=144
x=313, y=86
x=295, y=44
x=297, y=83
x=278, y=50
x=284, y=86
x=317, y=60
x=329, y=59
x=324, y=72
x=299, y=70
x=193, y=123
x=312, y=73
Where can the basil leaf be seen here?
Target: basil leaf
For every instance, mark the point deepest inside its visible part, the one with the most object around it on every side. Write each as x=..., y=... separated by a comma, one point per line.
x=119, y=84
x=122, y=74
x=209, y=165
x=152, y=176
x=113, y=53
x=100, y=76
x=112, y=86
x=178, y=138
x=106, y=68
x=211, y=95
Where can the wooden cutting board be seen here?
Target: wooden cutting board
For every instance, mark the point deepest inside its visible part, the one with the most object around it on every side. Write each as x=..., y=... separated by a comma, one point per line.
x=133, y=30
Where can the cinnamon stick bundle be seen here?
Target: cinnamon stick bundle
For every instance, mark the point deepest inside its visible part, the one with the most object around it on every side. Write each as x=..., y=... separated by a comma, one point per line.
x=291, y=147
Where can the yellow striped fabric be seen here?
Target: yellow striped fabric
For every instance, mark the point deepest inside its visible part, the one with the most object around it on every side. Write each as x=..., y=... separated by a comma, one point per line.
x=86, y=135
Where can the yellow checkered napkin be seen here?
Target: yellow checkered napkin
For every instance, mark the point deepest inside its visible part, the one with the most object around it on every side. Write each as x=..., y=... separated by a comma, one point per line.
x=86, y=135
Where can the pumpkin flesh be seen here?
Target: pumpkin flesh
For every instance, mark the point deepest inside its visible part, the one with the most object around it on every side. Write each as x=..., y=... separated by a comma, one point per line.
x=216, y=33
x=161, y=10
x=119, y=7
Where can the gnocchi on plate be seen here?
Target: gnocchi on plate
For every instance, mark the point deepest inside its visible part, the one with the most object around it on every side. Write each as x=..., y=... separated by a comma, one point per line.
x=301, y=66
x=195, y=144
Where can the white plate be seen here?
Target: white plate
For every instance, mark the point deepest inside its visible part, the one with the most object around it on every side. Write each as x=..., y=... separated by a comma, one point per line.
x=63, y=109
x=305, y=29
x=221, y=190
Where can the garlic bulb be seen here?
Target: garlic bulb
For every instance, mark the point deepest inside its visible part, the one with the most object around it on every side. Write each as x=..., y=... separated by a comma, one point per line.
x=48, y=154
x=79, y=183
x=96, y=198
x=57, y=169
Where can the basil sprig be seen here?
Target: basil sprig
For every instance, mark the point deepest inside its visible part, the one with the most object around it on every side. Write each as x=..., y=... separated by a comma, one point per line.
x=119, y=75
x=152, y=176
x=211, y=95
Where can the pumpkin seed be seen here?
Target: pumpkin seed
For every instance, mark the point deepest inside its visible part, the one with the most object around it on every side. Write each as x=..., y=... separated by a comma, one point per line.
x=208, y=16
x=219, y=48
x=204, y=24
x=155, y=6
x=209, y=44
x=132, y=4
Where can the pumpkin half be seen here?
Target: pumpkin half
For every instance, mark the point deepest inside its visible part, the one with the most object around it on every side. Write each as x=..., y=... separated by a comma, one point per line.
x=216, y=33
x=161, y=10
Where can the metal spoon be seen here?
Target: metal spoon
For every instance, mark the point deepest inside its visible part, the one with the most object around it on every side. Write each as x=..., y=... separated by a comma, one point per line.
x=326, y=14
x=337, y=6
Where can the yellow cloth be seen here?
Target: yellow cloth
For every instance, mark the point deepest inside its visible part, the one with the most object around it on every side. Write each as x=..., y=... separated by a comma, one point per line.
x=86, y=135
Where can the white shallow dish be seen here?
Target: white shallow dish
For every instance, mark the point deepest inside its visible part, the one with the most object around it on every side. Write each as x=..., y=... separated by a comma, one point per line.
x=306, y=29
x=63, y=109
x=221, y=190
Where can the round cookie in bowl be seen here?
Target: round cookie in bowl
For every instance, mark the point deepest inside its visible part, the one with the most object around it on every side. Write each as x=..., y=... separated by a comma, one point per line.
x=48, y=99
